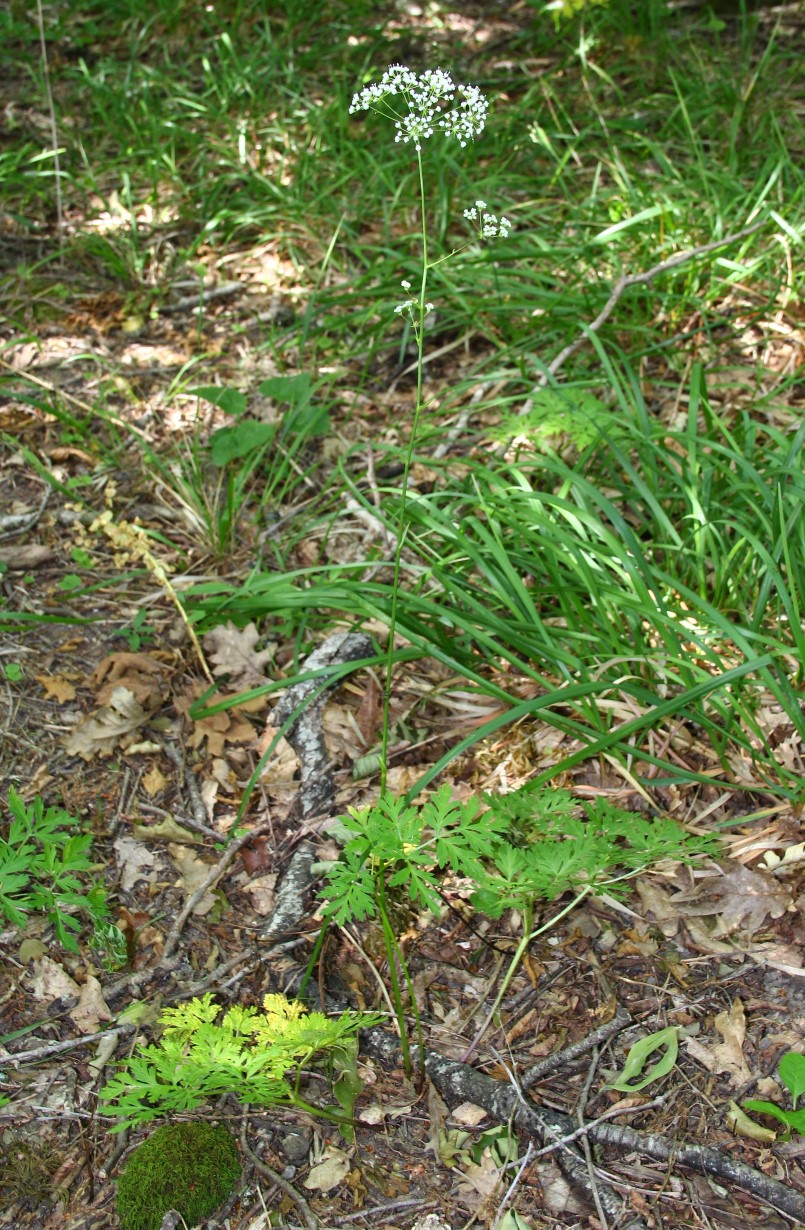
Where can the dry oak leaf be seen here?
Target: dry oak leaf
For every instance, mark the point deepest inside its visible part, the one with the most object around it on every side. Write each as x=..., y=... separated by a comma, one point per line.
x=51, y=981
x=141, y=673
x=741, y=898
x=261, y=889
x=479, y=1178
x=135, y=862
x=99, y=734
x=231, y=651
x=155, y=780
x=31, y=555
x=331, y=1169
x=57, y=687
x=219, y=729
x=656, y=900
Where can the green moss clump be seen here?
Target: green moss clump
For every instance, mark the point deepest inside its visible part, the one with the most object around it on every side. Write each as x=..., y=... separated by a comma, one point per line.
x=189, y=1167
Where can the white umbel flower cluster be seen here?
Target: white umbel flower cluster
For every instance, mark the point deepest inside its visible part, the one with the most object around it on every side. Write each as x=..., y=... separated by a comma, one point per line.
x=411, y=305
x=489, y=225
x=432, y=104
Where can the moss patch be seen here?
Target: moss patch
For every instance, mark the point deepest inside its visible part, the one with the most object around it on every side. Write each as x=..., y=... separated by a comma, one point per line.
x=190, y=1167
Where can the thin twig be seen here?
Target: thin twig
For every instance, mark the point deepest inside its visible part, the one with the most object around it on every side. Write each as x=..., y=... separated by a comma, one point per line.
x=558, y=1060
x=396, y=1206
x=581, y=1107
x=59, y=1048
x=54, y=389
x=198, y=820
x=621, y=286
x=593, y=1124
x=214, y=874
x=515, y=1183
x=204, y=296
x=311, y=1221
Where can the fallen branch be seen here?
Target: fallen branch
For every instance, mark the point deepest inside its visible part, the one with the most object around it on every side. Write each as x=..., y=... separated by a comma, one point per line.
x=457, y=1082
x=618, y=290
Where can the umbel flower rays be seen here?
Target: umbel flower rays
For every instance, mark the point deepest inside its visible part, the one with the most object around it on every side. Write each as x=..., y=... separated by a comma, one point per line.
x=488, y=224
x=434, y=102
x=431, y=101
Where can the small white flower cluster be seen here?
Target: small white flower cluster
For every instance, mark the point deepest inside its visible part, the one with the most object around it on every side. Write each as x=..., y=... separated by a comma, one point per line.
x=430, y=97
x=411, y=305
x=489, y=226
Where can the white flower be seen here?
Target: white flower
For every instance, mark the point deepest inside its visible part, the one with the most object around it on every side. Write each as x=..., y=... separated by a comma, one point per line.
x=405, y=285
x=489, y=226
x=431, y=103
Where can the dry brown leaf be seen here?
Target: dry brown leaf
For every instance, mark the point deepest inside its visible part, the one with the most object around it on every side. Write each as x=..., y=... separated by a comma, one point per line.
x=99, y=734
x=57, y=687
x=168, y=829
x=283, y=766
x=154, y=781
x=51, y=981
x=726, y=1056
x=741, y=898
x=231, y=651
x=135, y=862
x=218, y=729
x=402, y=777
x=469, y=1115
x=657, y=901
x=32, y=555
x=193, y=872
x=91, y=1008
x=330, y=1170
x=557, y=1195
x=479, y=1178
x=141, y=673
x=261, y=891
x=370, y=710
x=341, y=732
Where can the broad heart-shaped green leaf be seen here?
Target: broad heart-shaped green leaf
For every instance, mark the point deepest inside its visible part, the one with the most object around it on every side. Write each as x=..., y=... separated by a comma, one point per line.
x=636, y=1061
x=307, y=419
x=231, y=401
x=791, y=1118
x=245, y=437
x=792, y=1074
x=293, y=389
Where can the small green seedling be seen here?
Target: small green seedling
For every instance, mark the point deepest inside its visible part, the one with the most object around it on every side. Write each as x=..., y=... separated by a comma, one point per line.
x=792, y=1074
x=43, y=862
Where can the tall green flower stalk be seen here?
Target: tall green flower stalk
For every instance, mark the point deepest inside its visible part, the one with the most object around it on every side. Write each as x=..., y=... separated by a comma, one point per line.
x=431, y=103
x=420, y=105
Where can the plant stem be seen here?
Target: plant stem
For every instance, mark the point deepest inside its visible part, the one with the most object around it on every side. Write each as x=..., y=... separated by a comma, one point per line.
x=528, y=936
x=419, y=332
x=391, y=954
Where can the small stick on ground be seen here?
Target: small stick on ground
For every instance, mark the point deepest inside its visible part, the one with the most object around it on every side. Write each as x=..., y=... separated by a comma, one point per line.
x=570, y=1053
x=310, y=1219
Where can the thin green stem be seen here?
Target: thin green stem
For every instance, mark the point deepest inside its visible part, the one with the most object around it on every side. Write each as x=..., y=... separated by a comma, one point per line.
x=390, y=943
x=420, y=334
x=528, y=936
